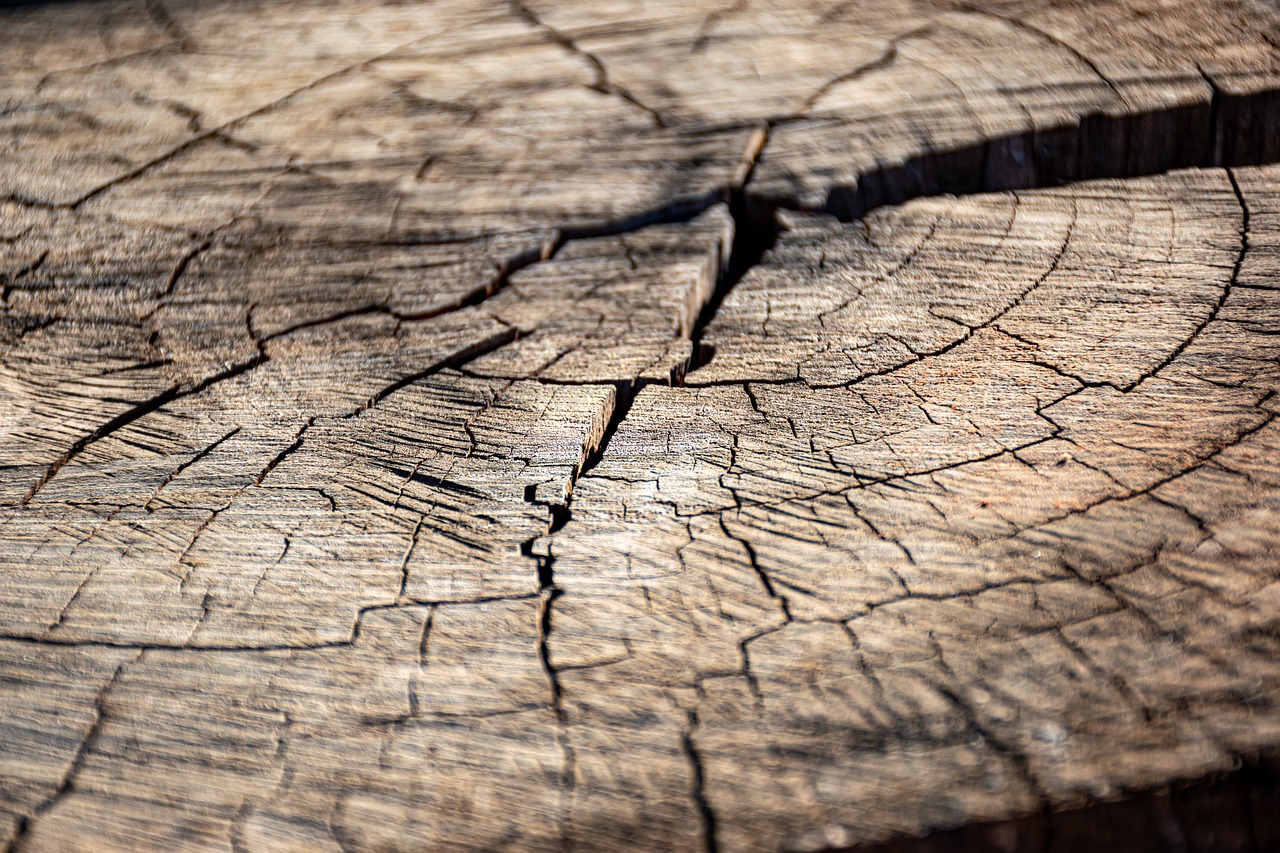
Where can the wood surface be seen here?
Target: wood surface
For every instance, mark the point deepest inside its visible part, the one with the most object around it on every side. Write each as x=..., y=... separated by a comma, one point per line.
x=741, y=426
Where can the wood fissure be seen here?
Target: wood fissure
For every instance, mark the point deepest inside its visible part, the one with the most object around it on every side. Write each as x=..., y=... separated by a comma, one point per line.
x=732, y=426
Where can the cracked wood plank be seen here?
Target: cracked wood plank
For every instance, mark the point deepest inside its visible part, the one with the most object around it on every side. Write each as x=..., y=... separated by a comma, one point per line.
x=497, y=425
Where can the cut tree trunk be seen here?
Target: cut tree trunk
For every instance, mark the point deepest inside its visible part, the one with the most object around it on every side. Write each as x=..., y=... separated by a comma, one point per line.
x=751, y=426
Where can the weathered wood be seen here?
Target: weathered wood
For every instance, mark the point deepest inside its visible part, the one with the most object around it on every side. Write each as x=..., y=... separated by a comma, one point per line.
x=536, y=426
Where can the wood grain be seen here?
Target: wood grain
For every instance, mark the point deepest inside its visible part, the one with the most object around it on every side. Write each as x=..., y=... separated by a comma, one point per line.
x=626, y=426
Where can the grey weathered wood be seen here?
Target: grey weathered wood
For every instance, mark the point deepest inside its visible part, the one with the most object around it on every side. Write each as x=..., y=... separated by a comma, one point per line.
x=542, y=425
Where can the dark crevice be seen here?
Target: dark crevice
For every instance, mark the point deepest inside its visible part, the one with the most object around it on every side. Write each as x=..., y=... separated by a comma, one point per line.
x=481, y=294
x=1228, y=130
x=196, y=457
x=132, y=414
x=206, y=648
x=1225, y=293
x=558, y=516
x=21, y=837
x=624, y=396
x=539, y=549
x=568, y=767
x=756, y=229
x=678, y=212
x=708, y=816
x=544, y=655
x=469, y=353
x=217, y=133
x=9, y=281
x=682, y=210
x=602, y=83
x=753, y=560
x=292, y=447
x=885, y=60
x=1044, y=35
x=559, y=513
x=177, y=392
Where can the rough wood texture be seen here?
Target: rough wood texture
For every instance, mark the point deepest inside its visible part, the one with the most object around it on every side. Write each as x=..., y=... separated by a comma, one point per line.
x=544, y=426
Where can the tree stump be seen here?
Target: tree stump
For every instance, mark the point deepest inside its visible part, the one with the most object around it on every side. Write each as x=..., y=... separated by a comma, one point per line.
x=738, y=426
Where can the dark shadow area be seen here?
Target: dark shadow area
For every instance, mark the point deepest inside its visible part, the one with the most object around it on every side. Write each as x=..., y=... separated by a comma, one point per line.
x=756, y=229
x=1235, y=813
x=1231, y=130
